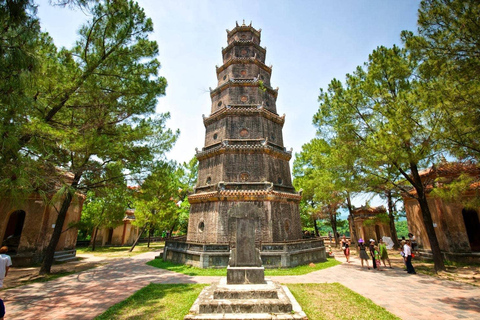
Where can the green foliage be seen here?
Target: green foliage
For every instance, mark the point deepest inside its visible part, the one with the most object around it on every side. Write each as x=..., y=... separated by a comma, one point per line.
x=453, y=190
x=447, y=43
x=402, y=228
x=379, y=218
x=78, y=110
x=105, y=206
x=162, y=200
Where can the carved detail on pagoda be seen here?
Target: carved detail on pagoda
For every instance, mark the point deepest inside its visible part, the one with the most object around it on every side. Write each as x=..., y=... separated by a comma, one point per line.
x=242, y=110
x=238, y=83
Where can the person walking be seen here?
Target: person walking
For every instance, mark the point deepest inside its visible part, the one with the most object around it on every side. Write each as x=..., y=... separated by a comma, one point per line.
x=372, y=253
x=346, y=248
x=363, y=252
x=5, y=263
x=407, y=250
x=330, y=235
x=382, y=247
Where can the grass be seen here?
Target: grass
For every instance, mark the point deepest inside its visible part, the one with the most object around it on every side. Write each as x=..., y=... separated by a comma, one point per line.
x=121, y=251
x=194, y=271
x=335, y=301
x=173, y=301
x=156, y=301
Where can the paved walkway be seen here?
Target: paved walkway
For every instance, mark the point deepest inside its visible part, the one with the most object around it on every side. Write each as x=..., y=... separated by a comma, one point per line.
x=89, y=293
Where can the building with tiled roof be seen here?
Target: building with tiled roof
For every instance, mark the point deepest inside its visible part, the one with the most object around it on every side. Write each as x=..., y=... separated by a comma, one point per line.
x=457, y=226
x=27, y=225
x=122, y=235
x=369, y=223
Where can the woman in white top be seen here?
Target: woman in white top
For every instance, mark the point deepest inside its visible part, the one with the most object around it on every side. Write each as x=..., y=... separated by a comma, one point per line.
x=407, y=250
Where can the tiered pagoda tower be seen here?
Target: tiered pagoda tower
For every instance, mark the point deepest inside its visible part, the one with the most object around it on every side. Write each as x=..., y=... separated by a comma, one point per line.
x=244, y=168
x=244, y=159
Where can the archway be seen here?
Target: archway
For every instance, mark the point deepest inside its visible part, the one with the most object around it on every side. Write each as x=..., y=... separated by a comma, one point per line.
x=13, y=232
x=472, y=225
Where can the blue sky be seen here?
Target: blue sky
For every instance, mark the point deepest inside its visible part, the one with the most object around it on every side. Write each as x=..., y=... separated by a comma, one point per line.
x=308, y=43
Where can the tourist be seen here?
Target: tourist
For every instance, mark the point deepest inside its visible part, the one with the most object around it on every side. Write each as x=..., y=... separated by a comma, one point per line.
x=402, y=253
x=382, y=247
x=363, y=252
x=377, y=258
x=413, y=242
x=346, y=248
x=2, y=309
x=407, y=250
x=330, y=236
x=372, y=253
x=330, y=252
x=5, y=263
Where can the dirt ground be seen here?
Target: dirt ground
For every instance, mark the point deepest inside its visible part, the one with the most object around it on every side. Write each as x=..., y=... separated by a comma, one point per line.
x=20, y=276
x=462, y=273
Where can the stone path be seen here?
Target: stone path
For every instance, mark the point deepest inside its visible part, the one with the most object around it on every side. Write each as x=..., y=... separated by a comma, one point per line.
x=89, y=293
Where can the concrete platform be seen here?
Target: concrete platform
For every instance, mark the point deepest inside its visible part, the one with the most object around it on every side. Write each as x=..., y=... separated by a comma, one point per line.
x=245, y=301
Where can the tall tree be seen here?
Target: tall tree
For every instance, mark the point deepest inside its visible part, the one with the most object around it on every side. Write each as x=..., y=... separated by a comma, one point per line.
x=106, y=204
x=20, y=59
x=158, y=205
x=328, y=177
x=102, y=111
x=381, y=107
x=448, y=44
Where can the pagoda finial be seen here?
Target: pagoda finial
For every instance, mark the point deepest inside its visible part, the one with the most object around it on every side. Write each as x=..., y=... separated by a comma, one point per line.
x=243, y=22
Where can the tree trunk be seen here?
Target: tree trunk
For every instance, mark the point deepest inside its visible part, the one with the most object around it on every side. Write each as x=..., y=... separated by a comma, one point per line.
x=57, y=231
x=333, y=222
x=427, y=220
x=351, y=222
x=171, y=229
x=138, y=238
x=316, y=227
x=393, y=230
x=149, y=234
x=94, y=238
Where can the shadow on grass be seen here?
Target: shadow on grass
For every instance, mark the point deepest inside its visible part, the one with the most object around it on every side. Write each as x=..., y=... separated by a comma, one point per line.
x=156, y=301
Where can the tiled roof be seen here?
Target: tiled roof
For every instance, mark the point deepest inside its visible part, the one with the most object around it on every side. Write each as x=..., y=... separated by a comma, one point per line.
x=241, y=148
x=451, y=168
x=248, y=83
x=244, y=60
x=443, y=173
x=372, y=210
x=252, y=195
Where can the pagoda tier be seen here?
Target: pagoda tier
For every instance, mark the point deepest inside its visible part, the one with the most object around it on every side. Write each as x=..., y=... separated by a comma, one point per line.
x=244, y=161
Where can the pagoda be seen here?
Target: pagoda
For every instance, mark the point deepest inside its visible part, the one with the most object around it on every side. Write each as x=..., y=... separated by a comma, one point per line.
x=244, y=168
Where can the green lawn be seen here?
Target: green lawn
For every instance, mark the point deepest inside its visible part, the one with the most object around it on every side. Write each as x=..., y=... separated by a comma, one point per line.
x=193, y=271
x=335, y=301
x=173, y=301
x=120, y=251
